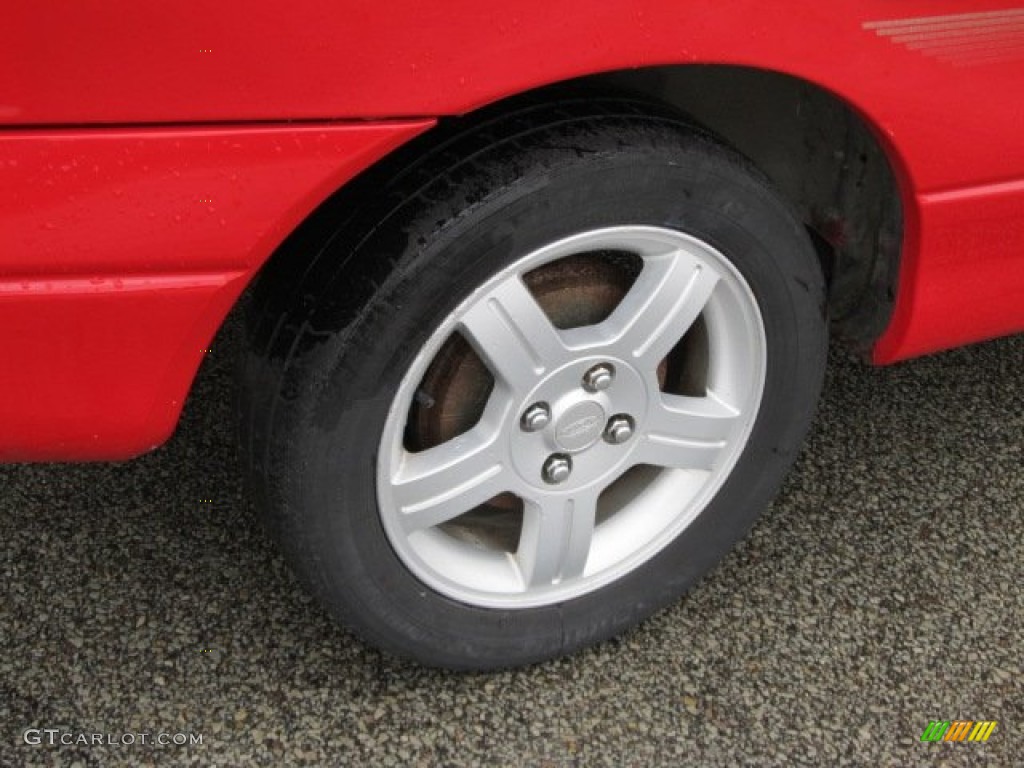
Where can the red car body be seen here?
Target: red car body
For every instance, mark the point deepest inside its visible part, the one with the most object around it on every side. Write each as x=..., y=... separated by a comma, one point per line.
x=153, y=156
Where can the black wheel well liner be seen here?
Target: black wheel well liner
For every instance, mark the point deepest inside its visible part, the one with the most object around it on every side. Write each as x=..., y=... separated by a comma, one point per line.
x=819, y=153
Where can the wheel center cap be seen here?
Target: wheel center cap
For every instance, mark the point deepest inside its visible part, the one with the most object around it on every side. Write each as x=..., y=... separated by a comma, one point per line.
x=580, y=426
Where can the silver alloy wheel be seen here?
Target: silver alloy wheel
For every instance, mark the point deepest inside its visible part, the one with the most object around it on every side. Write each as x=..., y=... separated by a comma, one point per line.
x=600, y=518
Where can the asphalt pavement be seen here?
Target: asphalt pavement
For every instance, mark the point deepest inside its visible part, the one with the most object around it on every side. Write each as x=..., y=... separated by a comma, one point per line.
x=884, y=589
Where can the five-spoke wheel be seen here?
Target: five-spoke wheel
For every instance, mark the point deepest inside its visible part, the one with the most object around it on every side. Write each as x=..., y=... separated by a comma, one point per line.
x=607, y=462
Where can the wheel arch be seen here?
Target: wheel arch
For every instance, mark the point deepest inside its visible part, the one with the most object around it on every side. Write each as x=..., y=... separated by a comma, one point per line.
x=828, y=158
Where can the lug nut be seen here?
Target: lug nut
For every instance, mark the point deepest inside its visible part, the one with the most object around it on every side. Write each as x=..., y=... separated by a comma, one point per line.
x=619, y=429
x=557, y=468
x=599, y=377
x=536, y=417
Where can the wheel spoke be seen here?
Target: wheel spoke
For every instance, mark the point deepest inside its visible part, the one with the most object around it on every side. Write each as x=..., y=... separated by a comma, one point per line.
x=688, y=432
x=667, y=297
x=555, y=540
x=443, y=482
x=512, y=334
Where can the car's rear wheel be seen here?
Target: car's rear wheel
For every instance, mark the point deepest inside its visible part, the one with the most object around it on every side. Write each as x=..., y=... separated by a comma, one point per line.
x=538, y=387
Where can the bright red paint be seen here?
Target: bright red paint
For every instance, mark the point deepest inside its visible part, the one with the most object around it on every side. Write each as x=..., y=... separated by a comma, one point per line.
x=963, y=272
x=122, y=250
x=114, y=273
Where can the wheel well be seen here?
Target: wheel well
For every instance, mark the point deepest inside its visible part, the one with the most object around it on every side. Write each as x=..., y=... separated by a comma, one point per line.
x=820, y=154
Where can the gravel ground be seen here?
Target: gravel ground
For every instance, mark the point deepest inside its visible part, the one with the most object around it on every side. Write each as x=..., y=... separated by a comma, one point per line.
x=882, y=590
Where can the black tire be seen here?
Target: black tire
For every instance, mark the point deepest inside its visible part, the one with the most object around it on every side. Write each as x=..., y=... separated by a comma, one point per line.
x=347, y=304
